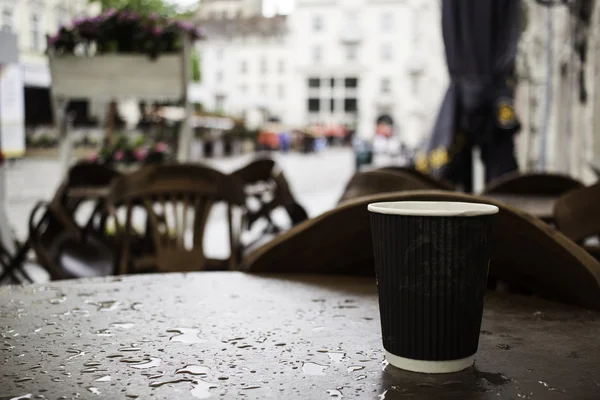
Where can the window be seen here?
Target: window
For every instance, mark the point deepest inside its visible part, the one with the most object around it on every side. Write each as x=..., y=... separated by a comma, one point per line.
x=332, y=82
x=317, y=23
x=7, y=20
x=386, y=85
x=281, y=91
x=332, y=105
x=263, y=65
x=350, y=105
x=281, y=66
x=219, y=76
x=351, y=52
x=317, y=54
x=387, y=22
x=35, y=31
x=219, y=102
x=314, y=82
x=351, y=83
x=314, y=105
x=386, y=52
x=244, y=67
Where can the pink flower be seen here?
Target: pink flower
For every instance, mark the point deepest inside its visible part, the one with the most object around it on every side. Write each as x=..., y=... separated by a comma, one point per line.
x=93, y=157
x=161, y=147
x=141, y=153
x=119, y=155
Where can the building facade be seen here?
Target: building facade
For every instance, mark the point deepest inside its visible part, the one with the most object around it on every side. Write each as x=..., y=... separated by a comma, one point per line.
x=31, y=21
x=333, y=62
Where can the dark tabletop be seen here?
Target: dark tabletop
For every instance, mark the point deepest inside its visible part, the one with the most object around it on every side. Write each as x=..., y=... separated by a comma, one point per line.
x=230, y=335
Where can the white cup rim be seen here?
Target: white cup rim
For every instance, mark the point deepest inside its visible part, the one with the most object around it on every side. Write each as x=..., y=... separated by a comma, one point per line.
x=433, y=208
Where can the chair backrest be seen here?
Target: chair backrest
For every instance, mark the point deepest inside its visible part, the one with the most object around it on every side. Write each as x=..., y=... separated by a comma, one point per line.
x=544, y=184
x=265, y=183
x=433, y=181
x=528, y=254
x=577, y=213
x=382, y=181
x=177, y=200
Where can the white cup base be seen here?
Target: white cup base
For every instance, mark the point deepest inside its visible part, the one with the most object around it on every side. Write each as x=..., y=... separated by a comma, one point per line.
x=429, y=367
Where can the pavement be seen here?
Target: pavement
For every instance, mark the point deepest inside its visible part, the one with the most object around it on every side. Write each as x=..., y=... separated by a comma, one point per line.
x=317, y=181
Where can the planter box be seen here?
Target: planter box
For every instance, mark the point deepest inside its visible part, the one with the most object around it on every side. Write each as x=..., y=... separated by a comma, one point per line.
x=116, y=76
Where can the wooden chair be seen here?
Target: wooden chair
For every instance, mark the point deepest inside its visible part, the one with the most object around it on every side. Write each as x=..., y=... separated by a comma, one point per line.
x=177, y=200
x=435, y=183
x=532, y=192
x=577, y=216
x=382, y=181
x=528, y=255
x=63, y=247
x=266, y=189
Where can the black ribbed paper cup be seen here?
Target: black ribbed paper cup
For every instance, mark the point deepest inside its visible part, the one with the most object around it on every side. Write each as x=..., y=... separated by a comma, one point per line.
x=431, y=262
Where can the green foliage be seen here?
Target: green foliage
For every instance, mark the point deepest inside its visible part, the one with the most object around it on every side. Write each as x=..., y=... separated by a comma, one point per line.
x=144, y=7
x=196, y=75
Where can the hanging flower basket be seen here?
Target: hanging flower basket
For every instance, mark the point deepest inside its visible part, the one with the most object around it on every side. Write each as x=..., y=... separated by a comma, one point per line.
x=120, y=54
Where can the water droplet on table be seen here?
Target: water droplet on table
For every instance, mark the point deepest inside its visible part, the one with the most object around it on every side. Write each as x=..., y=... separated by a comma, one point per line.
x=103, y=332
x=172, y=381
x=201, y=389
x=335, y=393
x=148, y=363
x=24, y=379
x=61, y=298
x=194, y=370
x=22, y=397
x=310, y=368
x=361, y=377
x=109, y=305
x=185, y=335
x=93, y=390
x=353, y=368
x=130, y=348
x=105, y=378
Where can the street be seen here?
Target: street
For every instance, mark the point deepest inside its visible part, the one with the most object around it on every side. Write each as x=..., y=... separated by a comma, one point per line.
x=317, y=181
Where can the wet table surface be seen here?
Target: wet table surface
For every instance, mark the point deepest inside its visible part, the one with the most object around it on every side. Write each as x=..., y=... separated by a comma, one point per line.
x=539, y=206
x=230, y=335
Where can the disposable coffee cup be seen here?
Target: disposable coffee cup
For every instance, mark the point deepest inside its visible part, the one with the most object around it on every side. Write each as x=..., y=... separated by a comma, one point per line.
x=431, y=262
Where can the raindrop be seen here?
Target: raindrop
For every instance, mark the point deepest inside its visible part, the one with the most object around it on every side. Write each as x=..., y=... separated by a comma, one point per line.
x=244, y=346
x=194, y=370
x=201, y=389
x=251, y=387
x=147, y=363
x=130, y=349
x=109, y=305
x=92, y=364
x=103, y=332
x=186, y=335
x=353, y=368
x=59, y=299
x=25, y=379
x=161, y=383
x=280, y=344
x=77, y=353
x=360, y=377
x=105, y=378
x=223, y=378
x=93, y=390
x=335, y=393
x=23, y=397
x=310, y=368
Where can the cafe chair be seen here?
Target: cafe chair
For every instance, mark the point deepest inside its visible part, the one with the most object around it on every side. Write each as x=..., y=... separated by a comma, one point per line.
x=266, y=190
x=546, y=184
x=382, y=181
x=176, y=200
x=529, y=256
x=62, y=245
x=577, y=216
x=438, y=184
